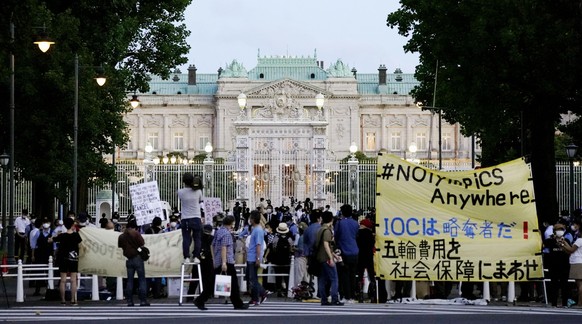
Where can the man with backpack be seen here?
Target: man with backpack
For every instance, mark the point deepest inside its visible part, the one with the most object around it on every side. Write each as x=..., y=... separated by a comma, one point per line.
x=324, y=248
x=280, y=256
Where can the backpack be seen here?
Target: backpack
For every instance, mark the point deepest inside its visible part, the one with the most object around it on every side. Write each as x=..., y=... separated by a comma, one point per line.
x=281, y=250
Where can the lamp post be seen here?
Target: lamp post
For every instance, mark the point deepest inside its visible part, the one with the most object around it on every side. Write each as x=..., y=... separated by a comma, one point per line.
x=208, y=169
x=44, y=45
x=439, y=111
x=571, y=152
x=242, y=103
x=412, y=149
x=4, y=159
x=319, y=101
x=147, y=162
x=100, y=79
x=354, y=176
x=134, y=102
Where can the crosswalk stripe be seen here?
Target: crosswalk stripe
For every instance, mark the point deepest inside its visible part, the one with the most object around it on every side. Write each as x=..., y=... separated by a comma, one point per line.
x=122, y=312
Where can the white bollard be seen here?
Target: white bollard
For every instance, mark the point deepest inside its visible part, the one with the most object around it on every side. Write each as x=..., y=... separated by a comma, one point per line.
x=388, y=285
x=94, y=288
x=51, y=274
x=291, y=278
x=20, y=284
x=366, y=282
x=486, y=291
x=119, y=289
x=511, y=292
x=413, y=289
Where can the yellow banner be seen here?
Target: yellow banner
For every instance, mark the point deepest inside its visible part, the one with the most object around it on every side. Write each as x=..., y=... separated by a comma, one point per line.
x=100, y=255
x=477, y=225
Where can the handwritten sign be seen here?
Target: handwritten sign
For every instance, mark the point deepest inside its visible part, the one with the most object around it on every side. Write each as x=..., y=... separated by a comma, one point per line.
x=145, y=199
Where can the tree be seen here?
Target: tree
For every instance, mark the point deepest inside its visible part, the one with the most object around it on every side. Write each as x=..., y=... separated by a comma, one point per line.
x=130, y=39
x=506, y=71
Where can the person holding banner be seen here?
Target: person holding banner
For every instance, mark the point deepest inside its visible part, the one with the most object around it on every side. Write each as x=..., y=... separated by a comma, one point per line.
x=191, y=223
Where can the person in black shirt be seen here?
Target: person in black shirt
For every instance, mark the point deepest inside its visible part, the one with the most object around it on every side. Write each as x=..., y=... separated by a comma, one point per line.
x=68, y=258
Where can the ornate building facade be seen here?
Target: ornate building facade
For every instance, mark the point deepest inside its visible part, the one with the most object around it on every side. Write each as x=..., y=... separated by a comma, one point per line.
x=280, y=135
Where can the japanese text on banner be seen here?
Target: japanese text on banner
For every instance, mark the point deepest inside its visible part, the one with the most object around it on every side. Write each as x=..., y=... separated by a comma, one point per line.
x=477, y=225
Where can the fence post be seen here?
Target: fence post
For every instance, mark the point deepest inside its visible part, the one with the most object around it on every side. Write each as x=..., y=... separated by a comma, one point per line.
x=94, y=288
x=291, y=278
x=51, y=274
x=486, y=291
x=388, y=286
x=413, y=289
x=20, y=284
x=511, y=292
x=119, y=289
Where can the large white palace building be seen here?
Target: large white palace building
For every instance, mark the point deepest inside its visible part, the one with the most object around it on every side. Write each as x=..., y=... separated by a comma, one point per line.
x=280, y=132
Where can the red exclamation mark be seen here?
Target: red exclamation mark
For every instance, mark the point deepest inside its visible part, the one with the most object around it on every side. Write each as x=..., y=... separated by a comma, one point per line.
x=525, y=233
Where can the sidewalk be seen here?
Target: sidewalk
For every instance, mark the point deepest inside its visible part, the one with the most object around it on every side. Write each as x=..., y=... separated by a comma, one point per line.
x=30, y=300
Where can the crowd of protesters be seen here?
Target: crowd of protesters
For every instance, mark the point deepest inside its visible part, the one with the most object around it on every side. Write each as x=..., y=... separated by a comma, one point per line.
x=342, y=240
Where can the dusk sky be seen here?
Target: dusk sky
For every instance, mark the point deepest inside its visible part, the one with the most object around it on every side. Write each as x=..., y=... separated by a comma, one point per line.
x=354, y=31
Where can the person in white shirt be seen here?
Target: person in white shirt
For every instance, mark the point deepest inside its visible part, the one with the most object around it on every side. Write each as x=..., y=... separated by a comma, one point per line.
x=20, y=225
x=575, y=251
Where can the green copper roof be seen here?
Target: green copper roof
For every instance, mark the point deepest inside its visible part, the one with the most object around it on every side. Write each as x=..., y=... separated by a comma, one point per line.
x=368, y=83
x=287, y=67
x=284, y=67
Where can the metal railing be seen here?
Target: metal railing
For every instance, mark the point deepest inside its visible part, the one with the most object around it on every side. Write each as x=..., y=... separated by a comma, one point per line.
x=337, y=181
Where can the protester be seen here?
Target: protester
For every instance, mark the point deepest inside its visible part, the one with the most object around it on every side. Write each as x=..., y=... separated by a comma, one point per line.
x=324, y=247
x=300, y=258
x=223, y=250
x=366, y=242
x=346, y=231
x=68, y=258
x=255, y=258
x=130, y=241
x=206, y=264
x=575, y=251
x=558, y=264
x=155, y=284
x=191, y=222
x=42, y=250
x=279, y=254
x=20, y=239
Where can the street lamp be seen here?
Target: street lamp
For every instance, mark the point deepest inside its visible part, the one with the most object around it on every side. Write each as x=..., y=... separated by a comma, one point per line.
x=319, y=101
x=242, y=103
x=354, y=176
x=571, y=152
x=147, y=161
x=134, y=102
x=208, y=169
x=43, y=41
x=4, y=159
x=44, y=45
x=412, y=149
x=439, y=110
x=100, y=81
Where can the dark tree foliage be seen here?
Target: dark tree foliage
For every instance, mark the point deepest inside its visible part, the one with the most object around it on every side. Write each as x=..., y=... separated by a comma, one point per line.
x=128, y=38
x=506, y=71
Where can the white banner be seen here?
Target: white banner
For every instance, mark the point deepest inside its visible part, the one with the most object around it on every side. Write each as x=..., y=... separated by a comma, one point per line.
x=100, y=255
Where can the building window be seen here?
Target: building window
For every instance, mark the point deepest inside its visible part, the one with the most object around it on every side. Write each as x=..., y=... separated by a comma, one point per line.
x=421, y=141
x=261, y=76
x=202, y=142
x=395, y=141
x=179, y=141
x=447, y=142
x=154, y=140
x=370, y=141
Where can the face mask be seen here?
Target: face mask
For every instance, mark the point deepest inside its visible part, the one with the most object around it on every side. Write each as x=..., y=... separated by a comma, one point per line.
x=574, y=228
x=60, y=222
x=173, y=224
x=269, y=211
x=46, y=226
x=559, y=233
x=115, y=221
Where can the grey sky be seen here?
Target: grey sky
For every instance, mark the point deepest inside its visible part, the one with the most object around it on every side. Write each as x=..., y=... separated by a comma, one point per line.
x=354, y=31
